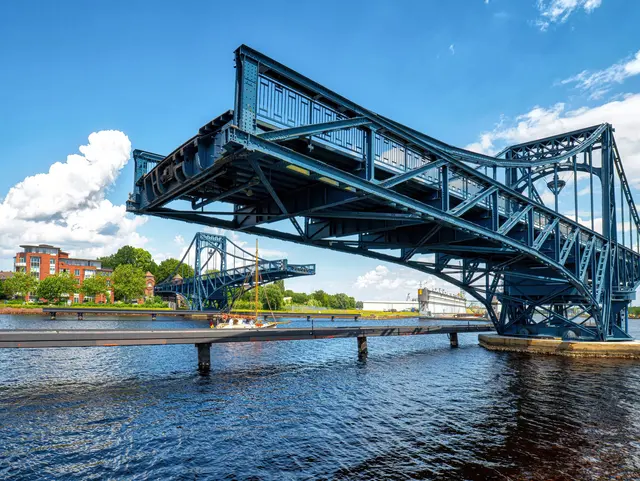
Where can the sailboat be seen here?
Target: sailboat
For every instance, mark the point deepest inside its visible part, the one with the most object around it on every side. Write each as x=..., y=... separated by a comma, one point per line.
x=233, y=322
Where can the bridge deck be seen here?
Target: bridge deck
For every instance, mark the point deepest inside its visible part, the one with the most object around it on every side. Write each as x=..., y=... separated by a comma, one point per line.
x=39, y=338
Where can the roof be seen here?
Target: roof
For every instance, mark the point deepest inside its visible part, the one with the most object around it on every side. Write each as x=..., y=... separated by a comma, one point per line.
x=5, y=275
x=148, y=274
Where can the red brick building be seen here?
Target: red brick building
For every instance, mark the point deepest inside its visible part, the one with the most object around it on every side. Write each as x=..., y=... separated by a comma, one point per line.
x=43, y=260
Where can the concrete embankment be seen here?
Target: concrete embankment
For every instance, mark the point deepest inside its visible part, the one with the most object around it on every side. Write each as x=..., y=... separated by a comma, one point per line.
x=21, y=310
x=559, y=347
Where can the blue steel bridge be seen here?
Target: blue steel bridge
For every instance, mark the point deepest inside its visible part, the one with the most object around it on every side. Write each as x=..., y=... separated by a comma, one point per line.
x=222, y=272
x=298, y=162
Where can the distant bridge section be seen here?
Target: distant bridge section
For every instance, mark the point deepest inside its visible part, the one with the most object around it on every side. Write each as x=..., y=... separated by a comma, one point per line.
x=548, y=228
x=222, y=272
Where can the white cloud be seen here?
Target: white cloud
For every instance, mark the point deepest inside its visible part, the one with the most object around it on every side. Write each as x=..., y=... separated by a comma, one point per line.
x=559, y=11
x=66, y=206
x=598, y=83
x=396, y=283
x=179, y=240
x=452, y=49
x=543, y=122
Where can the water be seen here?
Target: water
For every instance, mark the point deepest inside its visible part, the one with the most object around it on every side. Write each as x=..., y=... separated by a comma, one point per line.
x=415, y=409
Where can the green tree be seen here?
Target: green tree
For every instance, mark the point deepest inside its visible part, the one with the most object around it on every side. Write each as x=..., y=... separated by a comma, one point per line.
x=94, y=286
x=280, y=285
x=321, y=297
x=128, y=282
x=167, y=266
x=271, y=297
x=359, y=305
x=342, y=301
x=20, y=284
x=299, y=298
x=53, y=287
x=135, y=256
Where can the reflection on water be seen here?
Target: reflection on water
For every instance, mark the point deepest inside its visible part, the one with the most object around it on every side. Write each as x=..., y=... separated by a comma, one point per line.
x=310, y=410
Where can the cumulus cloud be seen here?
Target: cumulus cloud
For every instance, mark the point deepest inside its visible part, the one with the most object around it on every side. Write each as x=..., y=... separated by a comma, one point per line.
x=396, y=283
x=598, y=83
x=559, y=11
x=542, y=122
x=67, y=205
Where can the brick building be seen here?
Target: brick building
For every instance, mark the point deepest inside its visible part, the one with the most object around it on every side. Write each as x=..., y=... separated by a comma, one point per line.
x=43, y=260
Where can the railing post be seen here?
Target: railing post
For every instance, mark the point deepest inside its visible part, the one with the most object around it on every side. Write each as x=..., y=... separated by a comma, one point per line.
x=363, y=350
x=204, y=356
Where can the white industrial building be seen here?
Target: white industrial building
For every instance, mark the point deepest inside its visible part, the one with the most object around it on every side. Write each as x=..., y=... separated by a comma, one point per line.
x=434, y=303
x=430, y=303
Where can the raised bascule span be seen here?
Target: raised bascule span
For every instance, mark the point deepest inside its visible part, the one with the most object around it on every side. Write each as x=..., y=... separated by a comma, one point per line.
x=222, y=271
x=296, y=161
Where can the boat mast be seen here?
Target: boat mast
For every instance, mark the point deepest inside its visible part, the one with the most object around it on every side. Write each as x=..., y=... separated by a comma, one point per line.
x=255, y=283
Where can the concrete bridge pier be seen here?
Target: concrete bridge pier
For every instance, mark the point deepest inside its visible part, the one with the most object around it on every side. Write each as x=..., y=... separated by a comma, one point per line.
x=204, y=356
x=453, y=339
x=363, y=350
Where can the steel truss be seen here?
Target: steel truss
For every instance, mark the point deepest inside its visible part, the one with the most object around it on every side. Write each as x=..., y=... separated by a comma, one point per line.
x=222, y=272
x=326, y=172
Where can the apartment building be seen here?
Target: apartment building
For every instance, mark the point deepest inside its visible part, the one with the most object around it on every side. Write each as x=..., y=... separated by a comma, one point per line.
x=43, y=260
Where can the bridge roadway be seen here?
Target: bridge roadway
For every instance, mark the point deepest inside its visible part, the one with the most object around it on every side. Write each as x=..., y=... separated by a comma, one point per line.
x=203, y=338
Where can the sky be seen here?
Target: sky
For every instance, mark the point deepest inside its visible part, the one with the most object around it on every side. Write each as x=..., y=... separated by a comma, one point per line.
x=83, y=83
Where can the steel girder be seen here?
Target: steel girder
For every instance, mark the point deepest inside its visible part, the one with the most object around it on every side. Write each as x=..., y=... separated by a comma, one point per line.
x=353, y=181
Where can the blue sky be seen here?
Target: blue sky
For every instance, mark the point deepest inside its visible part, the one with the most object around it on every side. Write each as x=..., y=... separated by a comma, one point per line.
x=473, y=73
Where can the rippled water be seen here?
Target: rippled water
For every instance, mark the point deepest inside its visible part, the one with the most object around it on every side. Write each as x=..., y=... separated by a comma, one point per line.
x=415, y=409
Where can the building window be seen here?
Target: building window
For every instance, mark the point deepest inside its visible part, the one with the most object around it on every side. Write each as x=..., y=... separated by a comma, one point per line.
x=52, y=266
x=88, y=274
x=77, y=272
x=35, y=265
x=76, y=298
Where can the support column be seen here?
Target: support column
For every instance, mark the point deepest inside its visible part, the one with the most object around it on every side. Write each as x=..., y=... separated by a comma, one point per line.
x=52, y=316
x=363, y=350
x=453, y=339
x=204, y=356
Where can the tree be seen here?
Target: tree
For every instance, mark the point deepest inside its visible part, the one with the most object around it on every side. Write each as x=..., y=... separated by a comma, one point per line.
x=359, y=305
x=94, y=286
x=128, y=282
x=20, y=284
x=135, y=256
x=299, y=298
x=321, y=297
x=52, y=288
x=167, y=266
x=342, y=301
x=271, y=297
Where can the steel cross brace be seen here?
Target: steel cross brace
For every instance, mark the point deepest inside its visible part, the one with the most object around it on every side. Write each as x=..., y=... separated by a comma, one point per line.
x=274, y=195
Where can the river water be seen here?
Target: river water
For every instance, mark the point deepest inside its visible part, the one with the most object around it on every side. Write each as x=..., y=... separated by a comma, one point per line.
x=415, y=409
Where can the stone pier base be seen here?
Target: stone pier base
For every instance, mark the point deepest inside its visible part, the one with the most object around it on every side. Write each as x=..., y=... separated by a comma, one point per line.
x=559, y=347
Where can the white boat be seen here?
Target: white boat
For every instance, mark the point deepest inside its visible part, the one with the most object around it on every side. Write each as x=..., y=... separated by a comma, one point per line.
x=241, y=323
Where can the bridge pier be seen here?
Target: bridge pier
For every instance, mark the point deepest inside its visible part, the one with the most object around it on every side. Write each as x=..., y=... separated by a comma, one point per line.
x=52, y=316
x=333, y=318
x=153, y=316
x=204, y=356
x=453, y=339
x=80, y=316
x=363, y=350
x=308, y=318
